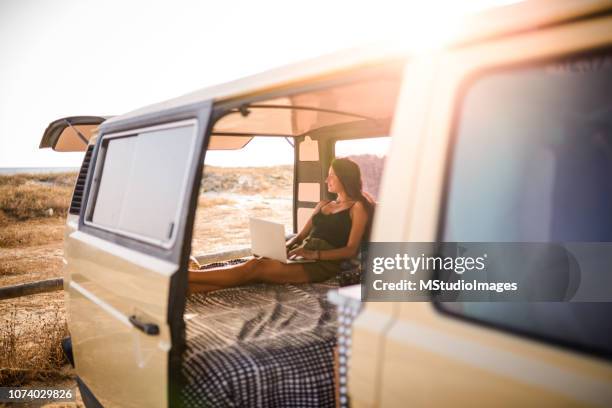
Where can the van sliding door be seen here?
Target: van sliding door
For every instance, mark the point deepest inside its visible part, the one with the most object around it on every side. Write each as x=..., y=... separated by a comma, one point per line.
x=126, y=291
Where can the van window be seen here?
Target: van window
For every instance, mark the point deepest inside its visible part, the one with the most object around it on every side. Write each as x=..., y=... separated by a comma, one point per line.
x=369, y=154
x=255, y=181
x=532, y=162
x=141, y=182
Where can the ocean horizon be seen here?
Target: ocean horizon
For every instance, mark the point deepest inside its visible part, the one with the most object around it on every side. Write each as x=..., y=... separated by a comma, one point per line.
x=36, y=170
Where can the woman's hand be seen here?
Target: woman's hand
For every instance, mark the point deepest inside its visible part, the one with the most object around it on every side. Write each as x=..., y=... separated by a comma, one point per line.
x=293, y=242
x=301, y=252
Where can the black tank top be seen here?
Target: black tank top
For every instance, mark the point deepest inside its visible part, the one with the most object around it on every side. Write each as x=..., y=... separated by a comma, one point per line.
x=333, y=228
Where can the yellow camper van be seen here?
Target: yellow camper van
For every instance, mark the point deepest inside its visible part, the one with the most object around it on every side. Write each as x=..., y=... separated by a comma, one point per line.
x=503, y=135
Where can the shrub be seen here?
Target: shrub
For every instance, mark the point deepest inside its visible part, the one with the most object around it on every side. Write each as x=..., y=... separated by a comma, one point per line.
x=35, y=354
x=28, y=200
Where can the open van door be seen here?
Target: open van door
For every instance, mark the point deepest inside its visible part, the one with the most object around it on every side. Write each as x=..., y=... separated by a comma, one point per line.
x=70, y=134
x=73, y=134
x=125, y=291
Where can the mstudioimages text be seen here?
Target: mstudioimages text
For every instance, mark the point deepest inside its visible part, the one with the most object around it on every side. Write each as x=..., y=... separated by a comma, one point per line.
x=413, y=264
x=439, y=285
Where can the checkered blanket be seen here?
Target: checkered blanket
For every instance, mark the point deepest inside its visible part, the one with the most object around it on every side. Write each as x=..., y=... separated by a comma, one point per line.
x=260, y=346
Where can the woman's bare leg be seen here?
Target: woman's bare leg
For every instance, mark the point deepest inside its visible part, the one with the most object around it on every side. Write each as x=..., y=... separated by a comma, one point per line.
x=224, y=276
x=201, y=287
x=252, y=271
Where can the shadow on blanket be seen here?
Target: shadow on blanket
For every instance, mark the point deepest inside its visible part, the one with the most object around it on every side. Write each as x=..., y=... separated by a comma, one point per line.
x=260, y=346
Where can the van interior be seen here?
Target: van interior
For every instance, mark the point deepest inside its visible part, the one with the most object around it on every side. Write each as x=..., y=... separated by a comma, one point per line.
x=274, y=345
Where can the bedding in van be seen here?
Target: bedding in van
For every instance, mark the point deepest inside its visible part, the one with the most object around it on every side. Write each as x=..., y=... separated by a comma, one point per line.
x=260, y=346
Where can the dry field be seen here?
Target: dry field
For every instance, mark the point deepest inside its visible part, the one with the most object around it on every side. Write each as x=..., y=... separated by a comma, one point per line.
x=32, y=213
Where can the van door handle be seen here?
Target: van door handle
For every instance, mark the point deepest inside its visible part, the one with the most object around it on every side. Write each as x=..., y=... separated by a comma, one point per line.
x=149, y=328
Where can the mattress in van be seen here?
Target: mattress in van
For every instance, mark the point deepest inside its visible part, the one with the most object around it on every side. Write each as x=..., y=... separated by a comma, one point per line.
x=260, y=346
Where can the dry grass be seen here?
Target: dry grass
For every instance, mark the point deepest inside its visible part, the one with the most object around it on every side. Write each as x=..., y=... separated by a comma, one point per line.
x=209, y=202
x=66, y=179
x=39, y=199
x=31, y=233
x=4, y=219
x=32, y=215
x=226, y=224
x=32, y=355
x=275, y=181
x=28, y=201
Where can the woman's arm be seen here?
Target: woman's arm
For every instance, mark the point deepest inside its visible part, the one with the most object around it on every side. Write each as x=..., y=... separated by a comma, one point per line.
x=359, y=218
x=306, y=228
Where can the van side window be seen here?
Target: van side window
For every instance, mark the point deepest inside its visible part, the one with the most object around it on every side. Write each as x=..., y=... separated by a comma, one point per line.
x=254, y=181
x=369, y=153
x=532, y=162
x=141, y=182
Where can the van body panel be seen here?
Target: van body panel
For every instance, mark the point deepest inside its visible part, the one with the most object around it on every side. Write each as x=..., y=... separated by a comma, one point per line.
x=369, y=329
x=125, y=292
x=115, y=359
x=391, y=217
x=397, y=186
x=72, y=224
x=434, y=359
x=524, y=16
x=446, y=369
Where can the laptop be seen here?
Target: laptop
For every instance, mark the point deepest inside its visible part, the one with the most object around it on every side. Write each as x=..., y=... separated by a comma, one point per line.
x=268, y=241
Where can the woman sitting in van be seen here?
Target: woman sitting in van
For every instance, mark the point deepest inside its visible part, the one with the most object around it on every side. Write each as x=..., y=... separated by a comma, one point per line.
x=332, y=233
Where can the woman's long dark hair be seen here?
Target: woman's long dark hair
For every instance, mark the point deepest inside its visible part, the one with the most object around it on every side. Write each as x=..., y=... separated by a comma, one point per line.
x=349, y=174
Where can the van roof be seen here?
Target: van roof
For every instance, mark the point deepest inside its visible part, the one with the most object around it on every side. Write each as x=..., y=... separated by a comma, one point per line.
x=492, y=23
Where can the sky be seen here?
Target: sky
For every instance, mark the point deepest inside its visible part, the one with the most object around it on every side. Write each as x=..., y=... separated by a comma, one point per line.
x=79, y=57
